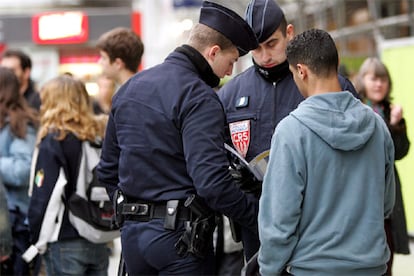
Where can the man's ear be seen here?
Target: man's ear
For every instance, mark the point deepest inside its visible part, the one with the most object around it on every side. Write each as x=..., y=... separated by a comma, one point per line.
x=302, y=71
x=290, y=31
x=119, y=63
x=212, y=52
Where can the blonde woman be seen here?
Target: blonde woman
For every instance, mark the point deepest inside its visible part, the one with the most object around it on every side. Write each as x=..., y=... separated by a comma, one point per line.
x=67, y=120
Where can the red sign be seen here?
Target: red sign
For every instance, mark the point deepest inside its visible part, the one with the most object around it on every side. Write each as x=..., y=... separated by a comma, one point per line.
x=60, y=27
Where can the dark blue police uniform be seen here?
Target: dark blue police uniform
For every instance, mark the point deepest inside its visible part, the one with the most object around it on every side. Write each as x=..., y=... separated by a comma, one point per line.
x=256, y=100
x=264, y=102
x=165, y=141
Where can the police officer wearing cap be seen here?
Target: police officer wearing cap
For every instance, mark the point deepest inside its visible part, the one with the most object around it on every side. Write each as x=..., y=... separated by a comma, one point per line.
x=257, y=99
x=164, y=144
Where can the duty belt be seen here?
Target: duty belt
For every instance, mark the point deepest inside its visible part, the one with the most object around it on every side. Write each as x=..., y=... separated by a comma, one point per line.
x=170, y=211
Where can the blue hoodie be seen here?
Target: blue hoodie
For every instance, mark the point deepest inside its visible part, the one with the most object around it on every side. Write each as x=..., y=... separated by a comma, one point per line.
x=328, y=187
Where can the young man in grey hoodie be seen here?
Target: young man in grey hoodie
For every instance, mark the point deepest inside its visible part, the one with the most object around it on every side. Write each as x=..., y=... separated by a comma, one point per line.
x=330, y=178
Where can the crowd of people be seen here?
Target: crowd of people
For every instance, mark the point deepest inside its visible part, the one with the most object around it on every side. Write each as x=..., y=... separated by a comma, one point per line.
x=41, y=135
x=330, y=202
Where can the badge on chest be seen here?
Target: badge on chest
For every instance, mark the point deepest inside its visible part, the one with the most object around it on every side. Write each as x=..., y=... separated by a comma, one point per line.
x=240, y=136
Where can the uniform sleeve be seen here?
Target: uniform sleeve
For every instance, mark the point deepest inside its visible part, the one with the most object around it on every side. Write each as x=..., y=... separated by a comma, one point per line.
x=15, y=166
x=207, y=164
x=280, y=202
x=47, y=169
x=347, y=85
x=107, y=170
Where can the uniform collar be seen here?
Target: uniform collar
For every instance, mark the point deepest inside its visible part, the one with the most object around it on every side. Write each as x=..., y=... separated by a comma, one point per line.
x=275, y=73
x=204, y=69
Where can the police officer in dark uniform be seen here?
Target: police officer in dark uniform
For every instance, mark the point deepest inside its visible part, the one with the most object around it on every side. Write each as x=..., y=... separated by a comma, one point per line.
x=163, y=158
x=260, y=97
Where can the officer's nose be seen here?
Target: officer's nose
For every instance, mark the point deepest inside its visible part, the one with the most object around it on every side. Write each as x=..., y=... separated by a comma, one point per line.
x=266, y=56
x=229, y=71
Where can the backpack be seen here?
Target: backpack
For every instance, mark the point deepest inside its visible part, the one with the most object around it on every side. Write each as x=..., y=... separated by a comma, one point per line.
x=89, y=206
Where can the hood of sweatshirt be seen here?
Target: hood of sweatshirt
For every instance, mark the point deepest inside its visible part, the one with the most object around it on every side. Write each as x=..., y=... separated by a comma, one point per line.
x=338, y=118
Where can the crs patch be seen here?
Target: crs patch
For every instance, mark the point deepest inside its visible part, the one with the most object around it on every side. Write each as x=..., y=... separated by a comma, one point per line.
x=240, y=136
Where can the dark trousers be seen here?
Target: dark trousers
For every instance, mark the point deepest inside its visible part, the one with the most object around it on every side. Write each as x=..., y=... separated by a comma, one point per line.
x=251, y=243
x=149, y=249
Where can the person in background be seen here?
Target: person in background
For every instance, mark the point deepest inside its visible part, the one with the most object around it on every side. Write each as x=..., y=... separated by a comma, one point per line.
x=6, y=239
x=103, y=100
x=21, y=64
x=66, y=120
x=374, y=85
x=257, y=99
x=330, y=179
x=121, y=52
x=164, y=145
x=18, y=125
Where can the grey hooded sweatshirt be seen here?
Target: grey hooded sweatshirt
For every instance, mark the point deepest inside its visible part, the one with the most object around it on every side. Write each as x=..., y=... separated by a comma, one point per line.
x=328, y=187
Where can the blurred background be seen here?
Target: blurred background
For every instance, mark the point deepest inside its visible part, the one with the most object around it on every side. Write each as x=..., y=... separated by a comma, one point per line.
x=60, y=37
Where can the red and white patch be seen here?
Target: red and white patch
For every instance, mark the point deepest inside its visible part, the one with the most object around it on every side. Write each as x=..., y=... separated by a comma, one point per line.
x=240, y=136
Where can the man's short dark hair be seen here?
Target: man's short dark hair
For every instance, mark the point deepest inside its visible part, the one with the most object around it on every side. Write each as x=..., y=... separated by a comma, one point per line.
x=124, y=44
x=25, y=61
x=316, y=49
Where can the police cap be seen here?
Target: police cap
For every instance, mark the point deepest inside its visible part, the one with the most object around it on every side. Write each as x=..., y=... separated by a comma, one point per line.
x=230, y=24
x=264, y=16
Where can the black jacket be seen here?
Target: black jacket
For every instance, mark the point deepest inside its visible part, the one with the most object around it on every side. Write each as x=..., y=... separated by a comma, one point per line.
x=165, y=139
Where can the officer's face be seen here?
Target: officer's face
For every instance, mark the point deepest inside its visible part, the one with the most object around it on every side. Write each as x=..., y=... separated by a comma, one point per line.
x=223, y=62
x=271, y=52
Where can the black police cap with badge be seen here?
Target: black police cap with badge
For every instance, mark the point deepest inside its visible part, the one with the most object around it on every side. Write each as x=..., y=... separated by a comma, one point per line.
x=264, y=17
x=230, y=24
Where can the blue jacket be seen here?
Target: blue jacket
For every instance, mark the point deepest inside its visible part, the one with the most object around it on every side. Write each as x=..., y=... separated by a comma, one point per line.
x=328, y=187
x=249, y=96
x=15, y=159
x=165, y=140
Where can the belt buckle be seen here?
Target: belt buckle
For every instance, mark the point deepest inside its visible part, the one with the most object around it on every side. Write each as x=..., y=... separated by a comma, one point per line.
x=142, y=209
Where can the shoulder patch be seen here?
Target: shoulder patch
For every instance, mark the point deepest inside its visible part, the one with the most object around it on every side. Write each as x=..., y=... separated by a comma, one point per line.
x=40, y=176
x=242, y=102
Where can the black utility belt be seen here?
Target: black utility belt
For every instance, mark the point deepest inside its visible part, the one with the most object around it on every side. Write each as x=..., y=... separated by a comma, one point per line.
x=170, y=210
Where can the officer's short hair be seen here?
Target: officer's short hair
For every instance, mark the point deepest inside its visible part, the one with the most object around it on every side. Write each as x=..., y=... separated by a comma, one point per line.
x=202, y=36
x=229, y=24
x=122, y=43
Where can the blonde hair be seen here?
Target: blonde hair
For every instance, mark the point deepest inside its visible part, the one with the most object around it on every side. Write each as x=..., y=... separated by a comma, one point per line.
x=67, y=108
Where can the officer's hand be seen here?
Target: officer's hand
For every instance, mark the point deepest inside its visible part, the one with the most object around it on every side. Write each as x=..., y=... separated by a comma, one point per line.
x=245, y=180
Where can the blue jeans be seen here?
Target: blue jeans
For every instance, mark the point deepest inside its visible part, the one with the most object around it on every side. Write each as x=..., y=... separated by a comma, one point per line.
x=76, y=257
